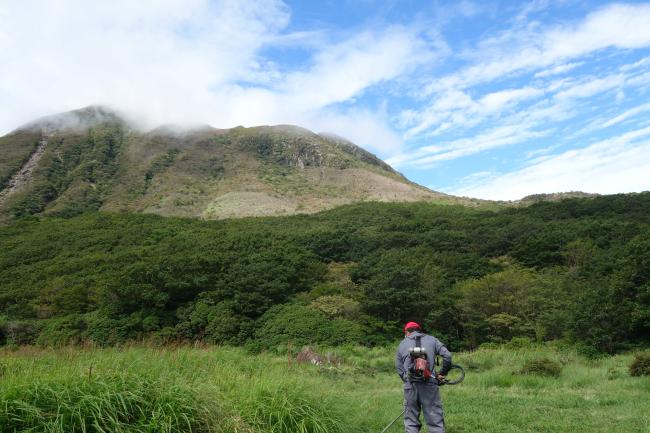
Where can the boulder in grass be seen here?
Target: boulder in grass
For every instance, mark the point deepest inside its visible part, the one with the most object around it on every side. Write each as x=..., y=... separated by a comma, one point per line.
x=307, y=354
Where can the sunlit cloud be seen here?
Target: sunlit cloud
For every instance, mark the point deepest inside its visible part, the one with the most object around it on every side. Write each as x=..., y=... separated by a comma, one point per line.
x=618, y=164
x=196, y=61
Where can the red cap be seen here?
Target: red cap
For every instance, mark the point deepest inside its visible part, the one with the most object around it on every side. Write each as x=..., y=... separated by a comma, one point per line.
x=411, y=325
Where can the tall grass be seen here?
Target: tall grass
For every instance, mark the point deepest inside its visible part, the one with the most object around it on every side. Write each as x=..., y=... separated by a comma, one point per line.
x=124, y=403
x=226, y=390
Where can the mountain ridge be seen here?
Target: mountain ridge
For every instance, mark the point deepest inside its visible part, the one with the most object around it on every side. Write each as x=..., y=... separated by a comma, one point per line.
x=95, y=158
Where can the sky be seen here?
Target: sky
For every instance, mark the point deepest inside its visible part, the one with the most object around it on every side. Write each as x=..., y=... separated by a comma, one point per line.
x=488, y=99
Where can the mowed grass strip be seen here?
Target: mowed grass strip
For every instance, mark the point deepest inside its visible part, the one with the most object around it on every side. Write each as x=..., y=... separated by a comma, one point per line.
x=226, y=390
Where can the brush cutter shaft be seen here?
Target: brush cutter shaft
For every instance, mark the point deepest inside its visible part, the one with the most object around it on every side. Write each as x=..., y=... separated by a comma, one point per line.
x=393, y=422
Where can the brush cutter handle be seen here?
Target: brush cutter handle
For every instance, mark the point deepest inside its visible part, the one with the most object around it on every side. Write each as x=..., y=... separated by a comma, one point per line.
x=456, y=381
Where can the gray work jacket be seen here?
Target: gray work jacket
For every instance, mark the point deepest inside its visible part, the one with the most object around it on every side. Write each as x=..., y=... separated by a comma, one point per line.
x=434, y=348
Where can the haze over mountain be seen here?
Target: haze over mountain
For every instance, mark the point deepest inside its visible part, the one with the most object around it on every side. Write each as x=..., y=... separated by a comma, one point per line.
x=93, y=158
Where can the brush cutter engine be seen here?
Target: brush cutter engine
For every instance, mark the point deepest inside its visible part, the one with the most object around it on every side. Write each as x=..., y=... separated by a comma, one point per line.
x=419, y=371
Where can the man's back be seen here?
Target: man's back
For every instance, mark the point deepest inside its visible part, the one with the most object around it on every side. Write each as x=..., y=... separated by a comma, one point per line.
x=433, y=348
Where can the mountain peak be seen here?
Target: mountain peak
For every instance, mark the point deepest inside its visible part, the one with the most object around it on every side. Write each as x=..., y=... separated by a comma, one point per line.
x=76, y=120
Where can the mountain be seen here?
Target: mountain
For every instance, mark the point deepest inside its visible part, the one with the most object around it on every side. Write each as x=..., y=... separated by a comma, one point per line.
x=93, y=158
x=558, y=196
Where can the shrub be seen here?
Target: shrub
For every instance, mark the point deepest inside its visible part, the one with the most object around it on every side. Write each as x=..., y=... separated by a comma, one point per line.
x=302, y=326
x=640, y=365
x=215, y=323
x=62, y=331
x=19, y=333
x=337, y=306
x=488, y=346
x=105, y=330
x=542, y=367
x=151, y=323
x=589, y=352
x=519, y=343
x=165, y=335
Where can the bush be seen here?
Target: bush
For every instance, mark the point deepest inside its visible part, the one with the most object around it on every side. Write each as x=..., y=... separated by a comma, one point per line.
x=589, y=352
x=542, y=367
x=519, y=343
x=214, y=323
x=302, y=326
x=62, y=331
x=337, y=306
x=164, y=336
x=640, y=365
x=105, y=330
x=20, y=332
x=490, y=345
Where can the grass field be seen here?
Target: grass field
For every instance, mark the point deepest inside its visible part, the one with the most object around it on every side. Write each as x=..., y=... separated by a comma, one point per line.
x=144, y=389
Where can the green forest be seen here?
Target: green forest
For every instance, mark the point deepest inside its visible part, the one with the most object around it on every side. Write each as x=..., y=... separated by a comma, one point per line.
x=576, y=270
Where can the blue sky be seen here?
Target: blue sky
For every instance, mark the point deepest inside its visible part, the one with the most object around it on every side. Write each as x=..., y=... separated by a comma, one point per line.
x=488, y=99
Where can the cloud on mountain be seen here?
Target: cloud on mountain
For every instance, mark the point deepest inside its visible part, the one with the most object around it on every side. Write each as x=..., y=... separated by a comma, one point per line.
x=195, y=61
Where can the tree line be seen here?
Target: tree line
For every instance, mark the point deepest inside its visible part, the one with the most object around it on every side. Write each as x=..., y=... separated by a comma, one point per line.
x=576, y=270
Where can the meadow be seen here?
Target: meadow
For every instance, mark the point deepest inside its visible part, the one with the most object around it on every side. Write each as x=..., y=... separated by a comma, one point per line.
x=133, y=389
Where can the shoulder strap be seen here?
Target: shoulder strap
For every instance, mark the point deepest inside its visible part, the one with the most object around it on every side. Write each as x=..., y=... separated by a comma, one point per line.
x=418, y=341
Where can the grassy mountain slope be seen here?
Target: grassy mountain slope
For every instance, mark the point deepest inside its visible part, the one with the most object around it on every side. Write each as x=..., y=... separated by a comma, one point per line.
x=96, y=160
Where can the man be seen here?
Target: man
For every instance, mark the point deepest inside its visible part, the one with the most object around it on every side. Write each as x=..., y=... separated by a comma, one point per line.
x=421, y=393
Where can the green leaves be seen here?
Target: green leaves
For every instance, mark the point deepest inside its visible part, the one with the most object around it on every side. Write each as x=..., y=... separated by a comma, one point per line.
x=572, y=269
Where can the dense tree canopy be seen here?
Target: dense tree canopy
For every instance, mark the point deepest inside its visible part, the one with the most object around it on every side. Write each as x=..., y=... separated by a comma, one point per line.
x=576, y=269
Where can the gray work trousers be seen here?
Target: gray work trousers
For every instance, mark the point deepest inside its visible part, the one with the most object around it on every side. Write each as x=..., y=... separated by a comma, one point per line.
x=425, y=397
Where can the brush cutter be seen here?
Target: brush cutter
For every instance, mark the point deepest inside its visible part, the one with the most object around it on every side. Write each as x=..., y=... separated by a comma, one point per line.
x=455, y=376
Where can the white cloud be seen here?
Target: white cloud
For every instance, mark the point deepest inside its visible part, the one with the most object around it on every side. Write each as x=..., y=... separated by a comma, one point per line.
x=343, y=70
x=640, y=80
x=561, y=100
x=455, y=108
x=556, y=70
x=591, y=87
x=456, y=102
x=363, y=127
x=492, y=139
x=626, y=115
x=194, y=61
x=641, y=63
x=619, y=164
x=500, y=136
x=495, y=101
x=620, y=26
x=160, y=58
